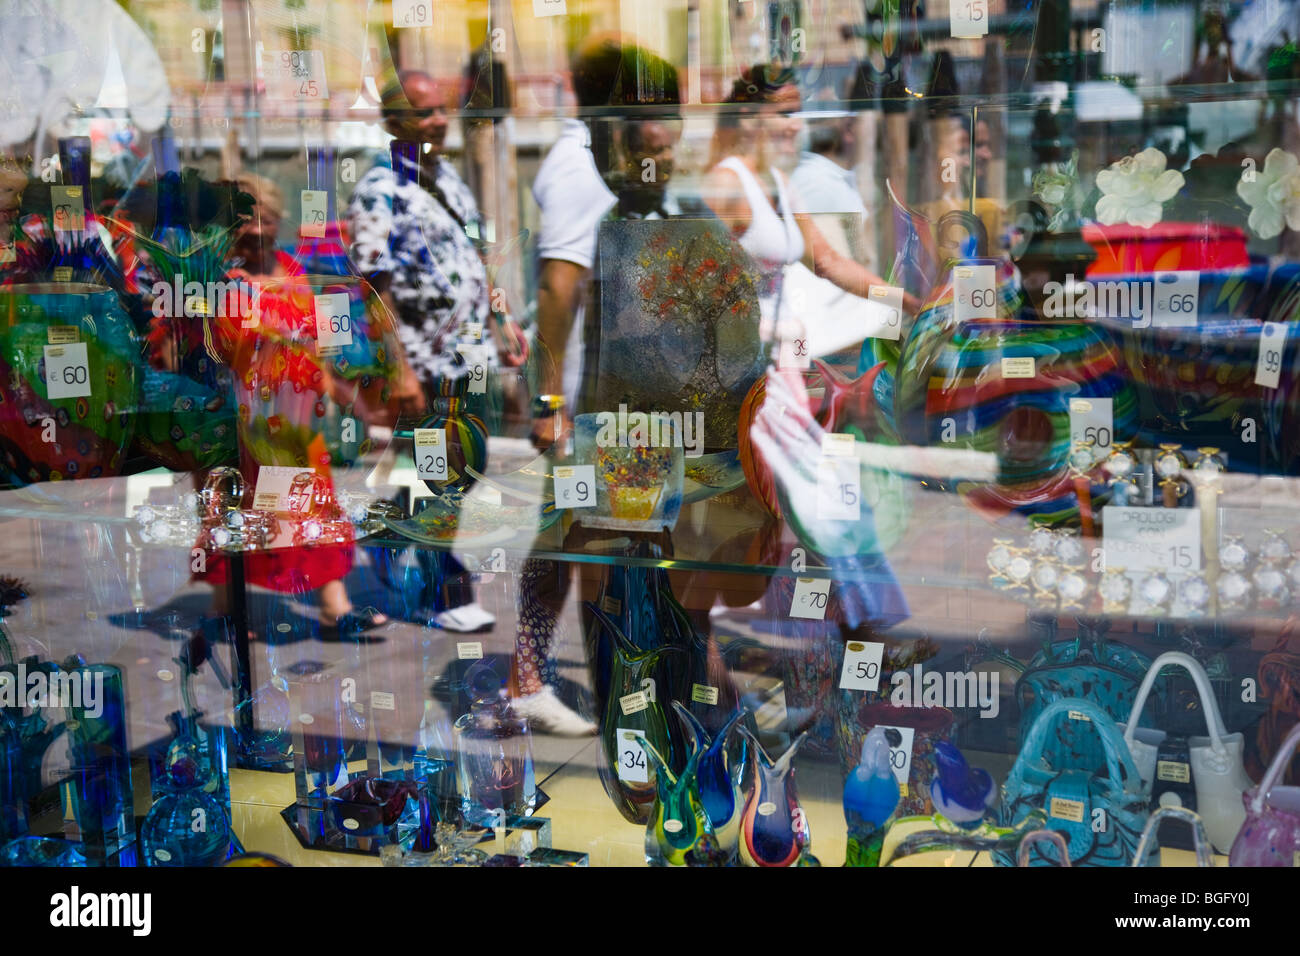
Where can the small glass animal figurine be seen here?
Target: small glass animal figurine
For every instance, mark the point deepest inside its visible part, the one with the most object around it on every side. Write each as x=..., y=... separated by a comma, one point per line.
x=718, y=783
x=960, y=793
x=773, y=828
x=186, y=826
x=871, y=795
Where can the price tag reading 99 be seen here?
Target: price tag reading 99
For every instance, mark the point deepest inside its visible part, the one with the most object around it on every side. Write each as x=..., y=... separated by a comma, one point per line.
x=1272, y=343
x=333, y=321
x=1177, y=299
x=975, y=293
x=412, y=13
x=575, y=486
x=314, y=204
x=69, y=206
x=862, y=665
x=431, y=454
x=810, y=597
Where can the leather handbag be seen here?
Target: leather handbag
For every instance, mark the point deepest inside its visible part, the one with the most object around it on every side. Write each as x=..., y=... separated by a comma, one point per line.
x=1200, y=842
x=1099, y=811
x=1043, y=836
x=1271, y=834
x=1104, y=672
x=1204, y=774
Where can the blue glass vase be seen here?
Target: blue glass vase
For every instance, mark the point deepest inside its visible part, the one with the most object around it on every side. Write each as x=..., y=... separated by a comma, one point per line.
x=186, y=826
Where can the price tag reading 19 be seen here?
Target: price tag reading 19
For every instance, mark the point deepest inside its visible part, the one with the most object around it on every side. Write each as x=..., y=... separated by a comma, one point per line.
x=431, y=454
x=1272, y=342
x=969, y=18
x=575, y=486
x=67, y=371
x=412, y=13
x=810, y=597
x=632, y=764
x=333, y=321
x=975, y=292
x=314, y=204
x=1177, y=299
x=862, y=665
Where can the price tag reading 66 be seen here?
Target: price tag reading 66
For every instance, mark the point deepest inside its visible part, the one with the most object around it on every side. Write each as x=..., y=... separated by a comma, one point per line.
x=575, y=486
x=862, y=665
x=1177, y=299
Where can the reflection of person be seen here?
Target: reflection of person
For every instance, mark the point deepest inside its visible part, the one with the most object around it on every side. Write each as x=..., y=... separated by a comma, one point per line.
x=828, y=186
x=647, y=170
x=410, y=238
x=274, y=358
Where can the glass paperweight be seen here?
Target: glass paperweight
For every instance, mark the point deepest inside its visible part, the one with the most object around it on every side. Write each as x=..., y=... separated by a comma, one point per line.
x=186, y=826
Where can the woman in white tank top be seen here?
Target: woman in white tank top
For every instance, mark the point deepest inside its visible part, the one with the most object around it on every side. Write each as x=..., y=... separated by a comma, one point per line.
x=747, y=188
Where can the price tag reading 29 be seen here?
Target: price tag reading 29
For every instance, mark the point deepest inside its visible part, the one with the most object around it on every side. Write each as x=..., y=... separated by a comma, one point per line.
x=575, y=486
x=975, y=293
x=431, y=454
x=333, y=321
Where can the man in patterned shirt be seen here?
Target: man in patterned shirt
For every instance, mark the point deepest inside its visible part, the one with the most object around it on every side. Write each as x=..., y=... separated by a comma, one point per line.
x=411, y=237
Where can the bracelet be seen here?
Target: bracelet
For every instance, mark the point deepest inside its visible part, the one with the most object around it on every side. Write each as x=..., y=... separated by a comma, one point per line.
x=546, y=405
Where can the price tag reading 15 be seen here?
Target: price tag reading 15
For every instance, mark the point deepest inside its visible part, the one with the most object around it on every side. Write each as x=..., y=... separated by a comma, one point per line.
x=975, y=293
x=575, y=486
x=968, y=18
x=431, y=454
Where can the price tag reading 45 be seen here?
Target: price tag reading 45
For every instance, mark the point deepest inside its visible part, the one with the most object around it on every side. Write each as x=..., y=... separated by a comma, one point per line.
x=969, y=18
x=1272, y=342
x=431, y=454
x=333, y=321
x=975, y=291
x=632, y=764
x=412, y=13
x=575, y=486
x=295, y=75
x=67, y=371
x=810, y=597
x=1177, y=299
x=1092, y=421
x=862, y=665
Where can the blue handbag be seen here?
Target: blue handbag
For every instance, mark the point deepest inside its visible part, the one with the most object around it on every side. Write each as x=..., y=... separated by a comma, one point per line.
x=1104, y=672
x=1100, y=812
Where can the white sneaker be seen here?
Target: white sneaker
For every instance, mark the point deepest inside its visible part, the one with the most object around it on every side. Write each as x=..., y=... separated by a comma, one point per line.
x=547, y=714
x=465, y=619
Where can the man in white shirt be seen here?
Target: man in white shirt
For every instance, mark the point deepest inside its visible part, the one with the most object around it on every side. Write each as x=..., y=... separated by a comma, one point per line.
x=827, y=185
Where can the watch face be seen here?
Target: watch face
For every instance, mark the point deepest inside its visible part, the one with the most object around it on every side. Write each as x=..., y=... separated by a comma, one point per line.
x=1275, y=547
x=1209, y=467
x=1194, y=593
x=1169, y=465
x=1069, y=549
x=1072, y=587
x=1081, y=459
x=1120, y=464
x=1018, y=569
x=1115, y=587
x=1233, y=588
x=1042, y=541
x=1154, y=589
x=1233, y=555
x=1045, y=576
x=999, y=558
x=1293, y=572
x=1270, y=582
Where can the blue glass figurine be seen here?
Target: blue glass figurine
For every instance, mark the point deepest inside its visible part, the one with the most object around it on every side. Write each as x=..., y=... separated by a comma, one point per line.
x=773, y=828
x=871, y=795
x=718, y=783
x=961, y=793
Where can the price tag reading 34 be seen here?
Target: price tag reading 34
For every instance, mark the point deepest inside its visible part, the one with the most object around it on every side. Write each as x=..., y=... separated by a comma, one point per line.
x=969, y=18
x=884, y=312
x=1152, y=539
x=575, y=486
x=333, y=321
x=862, y=665
x=295, y=75
x=1272, y=343
x=1176, y=299
x=431, y=454
x=67, y=371
x=632, y=764
x=975, y=293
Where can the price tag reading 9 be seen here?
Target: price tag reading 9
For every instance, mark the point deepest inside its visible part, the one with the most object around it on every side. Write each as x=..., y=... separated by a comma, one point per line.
x=975, y=293
x=67, y=371
x=333, y=321
x=575, y=486
x=632, y=764
x=1177, y=299
x=1091, y=422
x=314, y=204
x=861, y=669
x=69, y=206
x=431, y=454
x=412, y=13
x=900, y=751
x=968, y=18
x=1272, y=343
x=810, y=597
x=884, y=312
x=295, y=75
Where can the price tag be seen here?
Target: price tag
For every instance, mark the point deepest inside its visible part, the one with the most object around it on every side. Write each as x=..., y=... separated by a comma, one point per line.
x=611, y=605
x=1063, y=809
x=862, y=665
x=1078, y=715
x=969, y=18
x=69, y=208
x=67, y=371
x=634, y=702
x=474, y=331
x=900, y=754
x=431, y=454
x=1177, y=299
x=1091, y=420
x=810, y=596
x=884, y=312
x=837, y=445
x=632, y=763
x=333, y=321
x=382, y=700
x=62, y=334
x=1152, y=539
x=1018, y=367
x=575, y=486
x=975, y=293
x=273, y=484
x=63, y=274
x=476, y=362
x=794, y=353
x=1174, y=771
x=704, y=694
x=469, y=650
x=549, y=8
x=839, y=490
x=295, y=75
x=1272, y=340
x=314, y=205
x=412, y=13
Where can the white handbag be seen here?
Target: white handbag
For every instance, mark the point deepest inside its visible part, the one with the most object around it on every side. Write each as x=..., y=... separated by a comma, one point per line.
x=1216, y=760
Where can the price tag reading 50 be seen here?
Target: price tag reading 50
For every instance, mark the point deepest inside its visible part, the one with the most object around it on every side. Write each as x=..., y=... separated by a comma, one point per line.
x=862, y=665
x=575, y=486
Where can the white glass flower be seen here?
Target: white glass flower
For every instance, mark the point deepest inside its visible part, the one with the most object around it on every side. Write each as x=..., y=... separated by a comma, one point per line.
x=1135, y=188
x=1272, y=193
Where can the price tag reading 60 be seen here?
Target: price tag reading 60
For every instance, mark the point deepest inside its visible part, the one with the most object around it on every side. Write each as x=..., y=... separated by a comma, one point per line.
x=333, y=321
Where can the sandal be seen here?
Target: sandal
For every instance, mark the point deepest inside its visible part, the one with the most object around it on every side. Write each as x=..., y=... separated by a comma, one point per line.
x=357, y=622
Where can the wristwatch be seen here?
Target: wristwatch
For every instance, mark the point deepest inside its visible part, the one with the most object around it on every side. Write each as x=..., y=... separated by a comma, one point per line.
x=546, y=405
